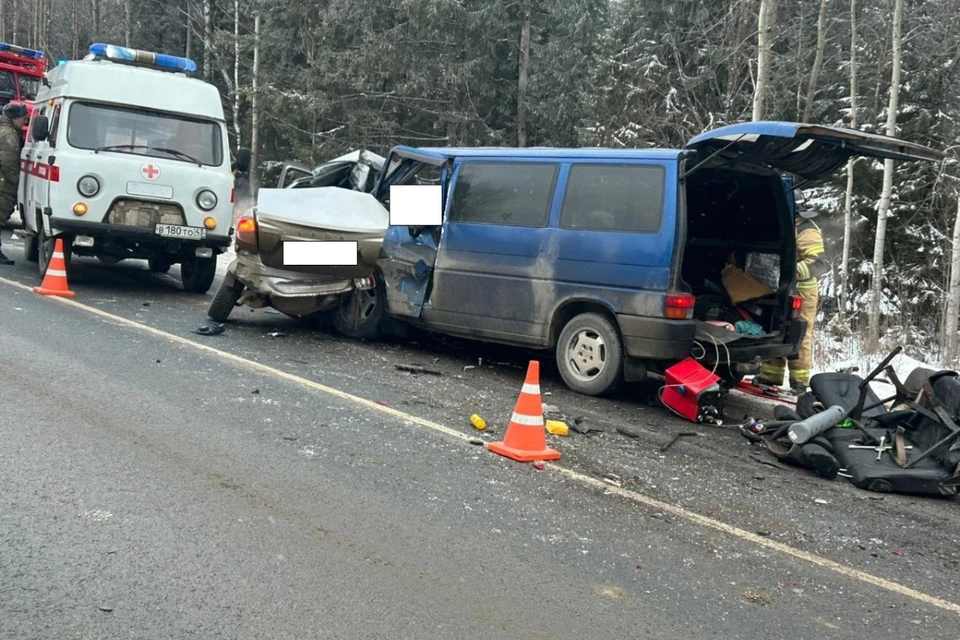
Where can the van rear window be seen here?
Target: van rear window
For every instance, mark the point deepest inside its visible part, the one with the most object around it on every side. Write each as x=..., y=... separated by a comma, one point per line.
x=510, y=193
x=608, y=197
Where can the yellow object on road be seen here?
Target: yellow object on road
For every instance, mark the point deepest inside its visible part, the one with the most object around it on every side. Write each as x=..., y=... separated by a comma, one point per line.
x=557, y=428
x=478, y=422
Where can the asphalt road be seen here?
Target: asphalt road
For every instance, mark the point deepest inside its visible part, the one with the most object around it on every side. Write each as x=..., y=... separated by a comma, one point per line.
x=278, y=481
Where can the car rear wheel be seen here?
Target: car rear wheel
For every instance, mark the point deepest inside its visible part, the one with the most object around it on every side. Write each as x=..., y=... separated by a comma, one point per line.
x=160, y=265
x=360, y=312
x=226, y=299
x=197, y=274
x=590, y=355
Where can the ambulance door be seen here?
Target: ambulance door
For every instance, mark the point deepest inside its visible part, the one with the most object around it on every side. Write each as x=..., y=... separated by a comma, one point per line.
x=37, y=168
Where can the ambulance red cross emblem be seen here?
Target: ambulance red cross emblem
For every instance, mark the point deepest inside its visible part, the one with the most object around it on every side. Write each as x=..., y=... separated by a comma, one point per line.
x=150, y=171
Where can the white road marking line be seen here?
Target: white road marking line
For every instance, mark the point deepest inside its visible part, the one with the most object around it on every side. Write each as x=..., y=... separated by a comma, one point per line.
x=639, y=498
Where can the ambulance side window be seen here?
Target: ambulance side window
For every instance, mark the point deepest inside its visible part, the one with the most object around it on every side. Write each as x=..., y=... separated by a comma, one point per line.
x=54, y=126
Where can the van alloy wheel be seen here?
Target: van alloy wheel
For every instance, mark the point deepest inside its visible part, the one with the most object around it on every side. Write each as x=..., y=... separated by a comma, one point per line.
x=590, y=355
x=587, y=355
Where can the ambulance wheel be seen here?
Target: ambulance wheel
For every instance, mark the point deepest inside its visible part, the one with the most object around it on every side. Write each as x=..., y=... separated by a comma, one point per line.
x=590, y=355
x=197, y=274
x=30, y=248
x=159, y=265
x=45, y=247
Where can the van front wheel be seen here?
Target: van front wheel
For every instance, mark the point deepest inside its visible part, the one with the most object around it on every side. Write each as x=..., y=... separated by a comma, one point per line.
x=197, y=274
x=590, y=355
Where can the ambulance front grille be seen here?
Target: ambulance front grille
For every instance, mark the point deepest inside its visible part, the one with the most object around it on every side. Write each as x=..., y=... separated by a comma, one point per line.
x=134, y=213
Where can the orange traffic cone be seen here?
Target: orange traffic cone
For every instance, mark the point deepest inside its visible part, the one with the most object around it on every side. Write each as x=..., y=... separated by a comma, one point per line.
x=526, y=438
x=55, y=279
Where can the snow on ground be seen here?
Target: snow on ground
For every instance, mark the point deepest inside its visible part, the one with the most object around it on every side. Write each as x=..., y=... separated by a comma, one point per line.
x=831, y=354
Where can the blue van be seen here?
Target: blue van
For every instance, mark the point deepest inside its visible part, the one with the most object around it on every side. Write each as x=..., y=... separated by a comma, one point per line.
x=612, y=258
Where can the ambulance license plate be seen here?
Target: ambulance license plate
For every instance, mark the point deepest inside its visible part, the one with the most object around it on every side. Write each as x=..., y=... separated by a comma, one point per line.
x=184, y=233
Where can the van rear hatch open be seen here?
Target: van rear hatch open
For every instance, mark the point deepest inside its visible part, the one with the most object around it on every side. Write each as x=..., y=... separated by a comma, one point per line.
x=738, y=212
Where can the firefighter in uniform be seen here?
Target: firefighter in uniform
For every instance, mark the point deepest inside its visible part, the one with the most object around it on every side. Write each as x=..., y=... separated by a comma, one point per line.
x=810, y=267
x=11, y=124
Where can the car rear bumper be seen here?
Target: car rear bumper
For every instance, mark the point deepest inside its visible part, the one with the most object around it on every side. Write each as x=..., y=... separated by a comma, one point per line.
x=284, y=283
x=661, y=339
x=105, y=230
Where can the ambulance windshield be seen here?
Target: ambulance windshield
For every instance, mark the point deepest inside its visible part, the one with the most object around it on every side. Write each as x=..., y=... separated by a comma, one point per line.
x=144, y=133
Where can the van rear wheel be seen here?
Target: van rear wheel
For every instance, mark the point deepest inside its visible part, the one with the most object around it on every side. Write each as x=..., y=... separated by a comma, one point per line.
x=590, y=355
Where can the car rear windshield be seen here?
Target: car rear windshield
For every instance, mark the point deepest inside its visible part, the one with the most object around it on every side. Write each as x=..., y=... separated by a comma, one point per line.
x=145, y=133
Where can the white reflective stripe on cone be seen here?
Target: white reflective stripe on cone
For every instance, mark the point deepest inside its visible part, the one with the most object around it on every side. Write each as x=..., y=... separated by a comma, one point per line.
x=527, y=421
x=57, y=272
x=57, y=254
x=530, y=388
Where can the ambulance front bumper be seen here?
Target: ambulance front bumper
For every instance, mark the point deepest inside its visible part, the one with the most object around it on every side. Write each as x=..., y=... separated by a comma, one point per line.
x=104, y=230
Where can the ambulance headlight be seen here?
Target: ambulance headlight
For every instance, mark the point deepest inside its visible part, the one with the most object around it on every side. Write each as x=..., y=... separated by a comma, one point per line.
x=88, y=186
x=206, y=200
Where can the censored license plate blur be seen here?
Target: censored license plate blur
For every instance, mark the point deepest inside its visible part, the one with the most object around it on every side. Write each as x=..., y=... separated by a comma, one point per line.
x=177, y=231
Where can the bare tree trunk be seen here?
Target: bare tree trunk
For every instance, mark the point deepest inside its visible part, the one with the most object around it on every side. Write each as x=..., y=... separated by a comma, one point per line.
x=255, y=112
x=96, y=18
x=523, y=74
x=818, y=60
x=75, y=39
x=188, y=12
x=236, y=73
x=765, y=38
x=888, y=168
x=128, y=26
x=207, y=41
x=848, y=200
x=953, y=295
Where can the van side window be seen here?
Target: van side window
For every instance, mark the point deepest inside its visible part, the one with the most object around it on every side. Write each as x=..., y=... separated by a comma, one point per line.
x=614, y=197
x=511, y=193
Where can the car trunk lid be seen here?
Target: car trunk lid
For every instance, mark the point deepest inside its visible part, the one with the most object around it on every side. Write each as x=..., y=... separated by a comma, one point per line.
x=318, y=215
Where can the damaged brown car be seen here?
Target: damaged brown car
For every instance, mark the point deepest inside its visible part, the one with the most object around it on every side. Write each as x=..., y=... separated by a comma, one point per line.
x=275, y=239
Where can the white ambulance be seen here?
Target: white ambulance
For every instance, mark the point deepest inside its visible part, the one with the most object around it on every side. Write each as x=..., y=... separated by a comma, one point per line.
x=128, y=157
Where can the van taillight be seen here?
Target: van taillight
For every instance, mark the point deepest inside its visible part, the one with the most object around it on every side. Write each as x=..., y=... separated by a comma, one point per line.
x=247, y=234
x=796, y=304
x=233, y=196
x=679, y=306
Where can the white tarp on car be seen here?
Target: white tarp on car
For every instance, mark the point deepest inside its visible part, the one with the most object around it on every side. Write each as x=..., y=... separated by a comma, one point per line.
x=330, y=208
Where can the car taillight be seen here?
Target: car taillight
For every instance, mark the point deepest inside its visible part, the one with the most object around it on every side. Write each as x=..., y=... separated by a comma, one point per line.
x=679, y=306
x=233, y=196
x=796, y=304
x=247, y=234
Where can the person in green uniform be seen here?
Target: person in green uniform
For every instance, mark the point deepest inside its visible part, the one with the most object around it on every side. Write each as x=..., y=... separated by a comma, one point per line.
x=11, y=124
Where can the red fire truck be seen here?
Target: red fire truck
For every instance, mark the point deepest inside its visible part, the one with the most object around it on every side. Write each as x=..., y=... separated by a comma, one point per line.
x=21, y=71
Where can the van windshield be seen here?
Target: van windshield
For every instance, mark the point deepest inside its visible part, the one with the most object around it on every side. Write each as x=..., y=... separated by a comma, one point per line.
x=144, y=133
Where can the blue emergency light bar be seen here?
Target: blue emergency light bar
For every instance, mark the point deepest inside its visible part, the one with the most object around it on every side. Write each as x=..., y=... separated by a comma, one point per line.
x=12, y=48
x=159, y=60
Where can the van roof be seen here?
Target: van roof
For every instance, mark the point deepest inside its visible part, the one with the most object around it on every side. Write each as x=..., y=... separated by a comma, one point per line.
x=123, y=84
x=553, y=152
